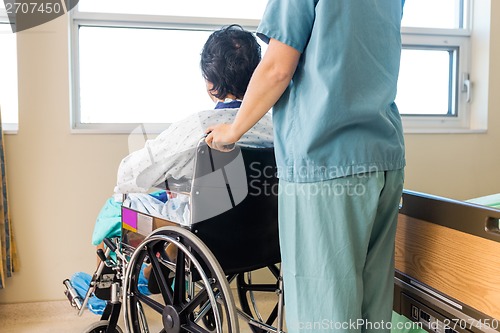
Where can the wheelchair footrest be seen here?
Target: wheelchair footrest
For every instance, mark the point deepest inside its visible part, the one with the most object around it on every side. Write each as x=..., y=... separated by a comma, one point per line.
x=74, y=299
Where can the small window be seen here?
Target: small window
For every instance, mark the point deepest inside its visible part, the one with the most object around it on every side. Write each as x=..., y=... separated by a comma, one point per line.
x=433, y=87
x=435, y=14
x=433, y=70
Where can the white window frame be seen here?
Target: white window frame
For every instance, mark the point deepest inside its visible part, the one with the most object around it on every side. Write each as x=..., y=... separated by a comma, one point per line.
x=444, y=123
x=471, y=115
x=78, y=19
x=468, y=119
x=9, y=128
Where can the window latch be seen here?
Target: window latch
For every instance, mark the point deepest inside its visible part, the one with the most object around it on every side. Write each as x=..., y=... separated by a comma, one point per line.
x=466, y=86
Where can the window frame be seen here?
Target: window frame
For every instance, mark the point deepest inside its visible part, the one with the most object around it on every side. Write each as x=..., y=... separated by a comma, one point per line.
x=78, y=19
x=467, y=118
x=438, y=39
x=10, y=128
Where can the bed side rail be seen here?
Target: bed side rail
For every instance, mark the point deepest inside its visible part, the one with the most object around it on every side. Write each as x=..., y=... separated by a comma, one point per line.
x=447, y=263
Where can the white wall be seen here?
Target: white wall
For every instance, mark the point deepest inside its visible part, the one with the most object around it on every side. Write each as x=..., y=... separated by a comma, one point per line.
x=58, y=181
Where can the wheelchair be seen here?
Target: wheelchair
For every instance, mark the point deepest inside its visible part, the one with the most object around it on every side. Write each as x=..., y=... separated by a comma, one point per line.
x=232, y=232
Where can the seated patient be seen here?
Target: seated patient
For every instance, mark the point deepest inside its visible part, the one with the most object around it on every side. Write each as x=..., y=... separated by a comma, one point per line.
x=228, y=60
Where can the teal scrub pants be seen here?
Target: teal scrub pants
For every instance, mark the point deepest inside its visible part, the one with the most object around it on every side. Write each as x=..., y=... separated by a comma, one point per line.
x=337, y=250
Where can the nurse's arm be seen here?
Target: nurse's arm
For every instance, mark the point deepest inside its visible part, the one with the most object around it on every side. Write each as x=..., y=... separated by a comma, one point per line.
x=270, y=79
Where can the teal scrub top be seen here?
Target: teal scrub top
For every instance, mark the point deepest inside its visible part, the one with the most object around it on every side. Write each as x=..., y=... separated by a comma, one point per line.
x=338, y=116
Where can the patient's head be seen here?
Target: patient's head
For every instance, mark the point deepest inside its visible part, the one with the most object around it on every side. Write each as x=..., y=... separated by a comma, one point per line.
x=228, y=60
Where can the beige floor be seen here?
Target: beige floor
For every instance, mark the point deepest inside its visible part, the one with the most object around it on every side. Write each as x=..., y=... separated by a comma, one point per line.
x=53, y=317
x=59, y=317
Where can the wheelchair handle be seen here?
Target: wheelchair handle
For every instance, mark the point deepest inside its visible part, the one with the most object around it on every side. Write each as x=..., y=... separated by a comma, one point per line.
x=110, y=244
x=226, y=148
x=101, y=255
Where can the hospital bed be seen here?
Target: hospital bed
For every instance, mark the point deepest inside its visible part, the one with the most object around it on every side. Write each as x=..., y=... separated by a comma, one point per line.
x=448, y=264
x=232, y=233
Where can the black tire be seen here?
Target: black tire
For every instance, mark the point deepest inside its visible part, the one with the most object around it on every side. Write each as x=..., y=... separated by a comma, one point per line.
x=101, y=327
x=191, y=287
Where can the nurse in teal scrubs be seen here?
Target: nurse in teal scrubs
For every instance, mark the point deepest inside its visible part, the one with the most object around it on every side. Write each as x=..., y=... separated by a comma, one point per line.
x=330, y=73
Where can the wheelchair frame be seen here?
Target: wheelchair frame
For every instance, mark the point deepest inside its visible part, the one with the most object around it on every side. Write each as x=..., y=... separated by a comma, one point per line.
x=204, y=293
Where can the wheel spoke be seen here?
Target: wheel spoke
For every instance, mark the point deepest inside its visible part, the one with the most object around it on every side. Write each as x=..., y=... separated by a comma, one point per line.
x=180, y=279
x=246, y=290
x=156, y=306
x=161, y=279
x=274, y=270
x=198, y=299
x=186, y=281
x=272, y=317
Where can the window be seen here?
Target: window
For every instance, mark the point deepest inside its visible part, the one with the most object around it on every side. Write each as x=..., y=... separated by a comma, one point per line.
x=133, y=80
x=138, y=62
x=434, y=88
x=8, y=78
x=439, y=90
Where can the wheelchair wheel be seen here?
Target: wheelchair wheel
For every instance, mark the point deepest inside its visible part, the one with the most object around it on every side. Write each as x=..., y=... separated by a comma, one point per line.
x=250, y=294
x=101, y=327
x=191, y=287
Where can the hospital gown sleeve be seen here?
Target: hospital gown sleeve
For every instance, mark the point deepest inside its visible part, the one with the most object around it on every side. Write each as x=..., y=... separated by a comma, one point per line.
x=149, y=166
x=138, y=171
x=172, y=153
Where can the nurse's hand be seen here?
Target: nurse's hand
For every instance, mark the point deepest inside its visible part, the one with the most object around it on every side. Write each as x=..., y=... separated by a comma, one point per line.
x=221, y=137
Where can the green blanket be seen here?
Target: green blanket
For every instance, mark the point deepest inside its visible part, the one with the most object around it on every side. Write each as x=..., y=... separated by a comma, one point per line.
x=401, y=324
x=489, y=200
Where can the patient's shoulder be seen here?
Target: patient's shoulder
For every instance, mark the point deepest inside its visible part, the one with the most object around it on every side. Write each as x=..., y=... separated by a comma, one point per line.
x=260, y=135
x=218, y=116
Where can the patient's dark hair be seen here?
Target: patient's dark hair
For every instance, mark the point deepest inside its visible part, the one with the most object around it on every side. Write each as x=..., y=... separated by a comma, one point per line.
x=228, y=60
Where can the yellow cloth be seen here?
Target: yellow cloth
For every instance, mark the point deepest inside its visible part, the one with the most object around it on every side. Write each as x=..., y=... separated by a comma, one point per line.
x=7, y=258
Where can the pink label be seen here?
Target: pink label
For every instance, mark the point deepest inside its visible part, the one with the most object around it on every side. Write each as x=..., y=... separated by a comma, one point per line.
x=129, y=217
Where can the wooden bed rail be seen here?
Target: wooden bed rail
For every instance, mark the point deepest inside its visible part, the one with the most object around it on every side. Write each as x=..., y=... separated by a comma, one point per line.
x=453, y=247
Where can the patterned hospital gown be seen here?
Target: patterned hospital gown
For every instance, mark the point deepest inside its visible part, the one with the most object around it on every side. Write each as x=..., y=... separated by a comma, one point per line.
x=171, y=154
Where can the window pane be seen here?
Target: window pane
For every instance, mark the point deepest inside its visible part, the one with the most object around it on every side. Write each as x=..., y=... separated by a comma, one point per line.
x=140, y=75
x=246, y=9
x=444, y=14
x=424, y=82
x=8, y=77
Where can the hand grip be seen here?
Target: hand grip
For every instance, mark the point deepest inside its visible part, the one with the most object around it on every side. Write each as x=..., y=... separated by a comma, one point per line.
x=101, y=255
x=110, y=244
x=493, y=225
x=223, y=148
